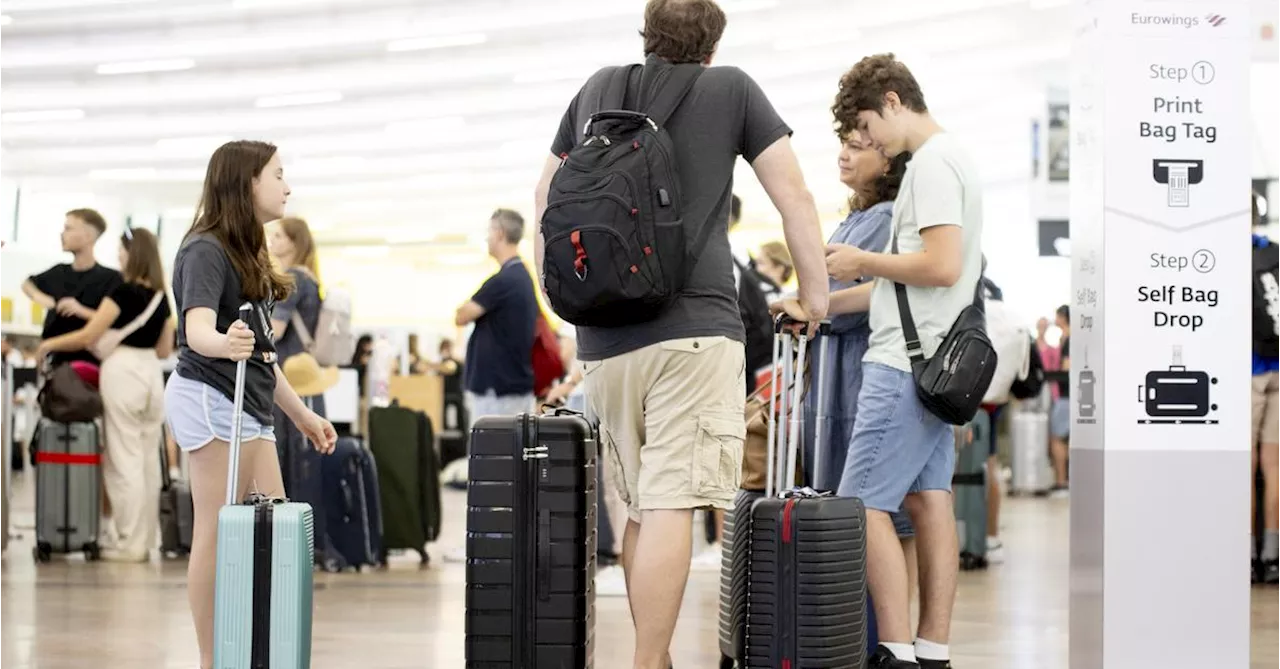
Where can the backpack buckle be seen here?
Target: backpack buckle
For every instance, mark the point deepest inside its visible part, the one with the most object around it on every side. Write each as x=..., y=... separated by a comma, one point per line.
x=580, y=271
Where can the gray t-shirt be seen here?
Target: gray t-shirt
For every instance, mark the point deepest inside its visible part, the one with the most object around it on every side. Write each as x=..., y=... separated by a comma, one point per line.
x=305, y=300
x=203, y=276
x=725, y=115
x=941, y=187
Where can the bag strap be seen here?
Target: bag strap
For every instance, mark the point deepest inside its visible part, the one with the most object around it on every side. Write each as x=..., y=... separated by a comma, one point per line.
x=662, y=92
x=295, y=322
x=614, y=94
x=143, y=317
x=915, y=352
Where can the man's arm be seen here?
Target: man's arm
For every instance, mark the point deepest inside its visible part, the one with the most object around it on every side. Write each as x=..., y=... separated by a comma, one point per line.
x=468, y=313
x=539, y=208
x=779, y=172
x=938, y=265
x=38, y=296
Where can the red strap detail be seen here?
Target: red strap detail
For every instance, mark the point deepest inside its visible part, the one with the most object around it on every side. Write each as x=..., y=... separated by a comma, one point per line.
x=648, y=251
x=634, y=212
x=68, y=458
x=786, y=663
x=564, y=155
x=634, y=269
x=635, y=144
x=580, y=254
x=786, y=520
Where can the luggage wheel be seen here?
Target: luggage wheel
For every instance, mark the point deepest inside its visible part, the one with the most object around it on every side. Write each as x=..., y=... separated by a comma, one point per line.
x=727, y=662
x=42, y=551
x=92, y=552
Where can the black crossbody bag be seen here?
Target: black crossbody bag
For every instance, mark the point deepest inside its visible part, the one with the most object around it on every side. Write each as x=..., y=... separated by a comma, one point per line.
x=950, y=384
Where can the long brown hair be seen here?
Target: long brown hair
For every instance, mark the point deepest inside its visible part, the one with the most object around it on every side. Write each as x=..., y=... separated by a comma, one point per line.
x=143, y=267
x=226, y=211
x=304, y=247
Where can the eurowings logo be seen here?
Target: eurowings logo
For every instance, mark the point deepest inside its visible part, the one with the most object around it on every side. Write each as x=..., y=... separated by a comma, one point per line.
x=1216, y=20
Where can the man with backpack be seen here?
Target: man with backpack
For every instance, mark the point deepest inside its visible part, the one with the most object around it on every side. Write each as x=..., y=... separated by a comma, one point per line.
x=633, y=249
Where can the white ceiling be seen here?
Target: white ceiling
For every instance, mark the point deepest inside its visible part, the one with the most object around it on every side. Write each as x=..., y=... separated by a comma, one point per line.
x=424, y=115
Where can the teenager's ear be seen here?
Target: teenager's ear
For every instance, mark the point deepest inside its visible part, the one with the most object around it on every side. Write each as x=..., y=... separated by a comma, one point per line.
x=892, y=101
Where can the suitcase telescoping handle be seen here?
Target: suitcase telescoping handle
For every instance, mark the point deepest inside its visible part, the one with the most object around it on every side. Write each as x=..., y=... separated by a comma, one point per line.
x=784, y=446
x=237, y=400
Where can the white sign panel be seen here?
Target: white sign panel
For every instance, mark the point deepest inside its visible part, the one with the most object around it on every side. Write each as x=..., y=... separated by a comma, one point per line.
x=1170, y=101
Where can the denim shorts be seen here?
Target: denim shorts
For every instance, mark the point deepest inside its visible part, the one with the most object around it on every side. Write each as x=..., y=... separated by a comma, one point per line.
x=898, y=446
x=1060, y=418
x=197, y=414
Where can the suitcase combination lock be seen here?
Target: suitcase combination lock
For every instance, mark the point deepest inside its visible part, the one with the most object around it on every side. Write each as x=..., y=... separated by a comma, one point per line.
x=535, y=453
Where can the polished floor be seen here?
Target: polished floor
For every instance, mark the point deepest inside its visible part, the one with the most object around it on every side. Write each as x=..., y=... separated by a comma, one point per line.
x=74, y=615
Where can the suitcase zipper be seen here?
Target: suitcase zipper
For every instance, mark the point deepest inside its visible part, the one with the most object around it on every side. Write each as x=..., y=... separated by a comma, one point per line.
x=530, y=453
x=788, y=579
x=260, y=641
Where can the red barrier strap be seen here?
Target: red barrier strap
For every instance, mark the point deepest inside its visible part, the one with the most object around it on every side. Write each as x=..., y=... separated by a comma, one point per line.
x=68, y=458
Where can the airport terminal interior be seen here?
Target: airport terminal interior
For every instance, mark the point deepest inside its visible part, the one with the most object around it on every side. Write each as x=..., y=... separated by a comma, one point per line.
x=417, y=138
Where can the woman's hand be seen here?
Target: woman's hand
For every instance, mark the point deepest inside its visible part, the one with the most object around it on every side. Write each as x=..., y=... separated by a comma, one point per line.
x=791, y=307
x=845, y=262
x=238, y=342
x=318, y=430
x=558, y=393
x=43, y=350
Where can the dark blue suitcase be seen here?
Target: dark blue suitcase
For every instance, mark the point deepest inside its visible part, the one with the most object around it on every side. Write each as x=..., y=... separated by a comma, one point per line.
x=352, y=503
x=301, y=467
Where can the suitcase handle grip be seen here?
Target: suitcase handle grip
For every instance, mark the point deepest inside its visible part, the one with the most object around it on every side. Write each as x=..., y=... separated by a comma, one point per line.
x=237, y=400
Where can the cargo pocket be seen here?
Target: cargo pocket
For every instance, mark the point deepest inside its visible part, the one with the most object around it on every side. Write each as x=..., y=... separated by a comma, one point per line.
x=717, y=454
x=615, y=473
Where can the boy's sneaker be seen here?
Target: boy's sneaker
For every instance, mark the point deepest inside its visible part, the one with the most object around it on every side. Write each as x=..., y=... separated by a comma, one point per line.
x=995, y=551
x=884, y=658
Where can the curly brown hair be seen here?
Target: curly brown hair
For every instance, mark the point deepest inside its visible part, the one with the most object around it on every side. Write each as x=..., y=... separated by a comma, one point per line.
x=682, y=31
x=864, y=86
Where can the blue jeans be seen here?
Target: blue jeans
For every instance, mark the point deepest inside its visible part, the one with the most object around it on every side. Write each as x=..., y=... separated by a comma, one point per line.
x=898, y=446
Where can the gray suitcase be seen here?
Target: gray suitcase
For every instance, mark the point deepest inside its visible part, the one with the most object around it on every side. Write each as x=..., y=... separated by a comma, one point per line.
x=1029, y=453
x=68, y=489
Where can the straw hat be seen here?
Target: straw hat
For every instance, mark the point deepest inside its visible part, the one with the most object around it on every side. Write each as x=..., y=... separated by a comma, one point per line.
x=306, y=375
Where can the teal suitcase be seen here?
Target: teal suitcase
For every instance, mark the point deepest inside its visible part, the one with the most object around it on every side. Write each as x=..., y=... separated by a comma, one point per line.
x=263, y=583
x=969, y=485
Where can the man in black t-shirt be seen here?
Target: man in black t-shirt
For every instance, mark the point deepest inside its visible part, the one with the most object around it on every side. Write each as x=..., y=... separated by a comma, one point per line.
x=669, y=392
x=71, y=292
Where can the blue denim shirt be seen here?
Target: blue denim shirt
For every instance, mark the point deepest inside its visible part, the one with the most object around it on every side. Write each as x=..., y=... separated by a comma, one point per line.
x=868, y=230
x=1263, y=365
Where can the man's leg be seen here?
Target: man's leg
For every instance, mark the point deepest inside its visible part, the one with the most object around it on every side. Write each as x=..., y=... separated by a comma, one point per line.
x=995, y=547
x=1059, y=452
x=884, y=459
x=1269, y=461
x=691, y=459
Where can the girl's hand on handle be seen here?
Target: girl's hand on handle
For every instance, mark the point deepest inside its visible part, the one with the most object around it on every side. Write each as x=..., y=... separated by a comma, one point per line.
x=238, y=341
x=319, y=431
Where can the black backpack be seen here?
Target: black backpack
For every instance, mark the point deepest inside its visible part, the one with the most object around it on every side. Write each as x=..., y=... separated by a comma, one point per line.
x=753, y=305
x=1025, y=389
x=1266, y=300
x=615, y=239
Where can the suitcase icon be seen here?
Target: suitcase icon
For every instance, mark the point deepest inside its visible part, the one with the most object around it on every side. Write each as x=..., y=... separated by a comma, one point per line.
x=1177, y=393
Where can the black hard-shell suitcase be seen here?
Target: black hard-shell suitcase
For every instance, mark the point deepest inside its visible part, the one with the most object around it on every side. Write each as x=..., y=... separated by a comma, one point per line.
x=806, y=578
x=177, y=512
x=531, y=543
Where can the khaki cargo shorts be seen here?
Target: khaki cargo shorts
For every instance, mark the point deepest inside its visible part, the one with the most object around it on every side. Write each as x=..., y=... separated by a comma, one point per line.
x=671, y=422
x=1266, y=423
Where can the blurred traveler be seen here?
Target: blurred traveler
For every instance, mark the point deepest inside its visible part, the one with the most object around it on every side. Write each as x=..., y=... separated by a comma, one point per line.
x=71, y=292
x=132, y=387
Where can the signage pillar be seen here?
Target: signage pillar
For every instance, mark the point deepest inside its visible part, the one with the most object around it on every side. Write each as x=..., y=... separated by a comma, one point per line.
x=1160, y=349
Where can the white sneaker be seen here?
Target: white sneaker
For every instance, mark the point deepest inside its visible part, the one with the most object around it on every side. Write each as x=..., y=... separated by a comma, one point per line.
x=708, y=560
x=611, y=582
x=995, y=550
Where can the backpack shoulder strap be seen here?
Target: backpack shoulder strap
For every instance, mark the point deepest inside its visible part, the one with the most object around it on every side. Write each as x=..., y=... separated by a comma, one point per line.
x=662, y=92
x=613, y=95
